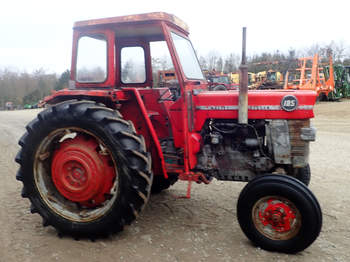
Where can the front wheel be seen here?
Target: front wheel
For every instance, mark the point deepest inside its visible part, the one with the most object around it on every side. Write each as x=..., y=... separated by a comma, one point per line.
x=279, y=213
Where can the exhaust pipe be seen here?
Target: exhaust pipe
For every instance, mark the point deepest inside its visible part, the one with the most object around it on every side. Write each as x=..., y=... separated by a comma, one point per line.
x=243, y=85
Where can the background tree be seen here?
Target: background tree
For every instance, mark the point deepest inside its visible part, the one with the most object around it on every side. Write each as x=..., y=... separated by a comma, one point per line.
x=231, y=63
x=219, y=65
x=15, y=86
x=212, y=59
x=63, y=80
x=203, y=63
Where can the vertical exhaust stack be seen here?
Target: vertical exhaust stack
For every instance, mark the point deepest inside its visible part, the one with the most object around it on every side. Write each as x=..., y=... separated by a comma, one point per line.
x=243, y=85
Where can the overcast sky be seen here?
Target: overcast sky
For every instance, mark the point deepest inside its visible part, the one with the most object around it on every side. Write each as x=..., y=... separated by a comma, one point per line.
x=38, y=34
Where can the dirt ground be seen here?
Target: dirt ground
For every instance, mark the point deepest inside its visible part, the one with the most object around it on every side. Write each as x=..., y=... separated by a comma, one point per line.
x=203, y=228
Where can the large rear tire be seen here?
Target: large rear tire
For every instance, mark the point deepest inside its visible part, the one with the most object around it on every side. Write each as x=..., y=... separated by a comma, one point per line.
x=279, y=213
x=84, y=169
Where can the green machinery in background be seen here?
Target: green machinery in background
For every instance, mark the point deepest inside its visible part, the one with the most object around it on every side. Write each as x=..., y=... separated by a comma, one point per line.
x=341, y=82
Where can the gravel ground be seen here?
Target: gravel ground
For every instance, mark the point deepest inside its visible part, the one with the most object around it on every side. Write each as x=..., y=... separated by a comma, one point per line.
x=203, y=228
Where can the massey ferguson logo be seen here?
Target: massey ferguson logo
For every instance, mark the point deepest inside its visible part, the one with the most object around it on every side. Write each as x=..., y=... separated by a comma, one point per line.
x=289, y=103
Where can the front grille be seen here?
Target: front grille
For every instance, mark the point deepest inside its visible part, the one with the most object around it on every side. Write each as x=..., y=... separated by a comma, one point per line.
x=299, y=147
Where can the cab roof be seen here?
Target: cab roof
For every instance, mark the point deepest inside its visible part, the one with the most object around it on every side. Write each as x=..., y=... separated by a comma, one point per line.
x=134, y=19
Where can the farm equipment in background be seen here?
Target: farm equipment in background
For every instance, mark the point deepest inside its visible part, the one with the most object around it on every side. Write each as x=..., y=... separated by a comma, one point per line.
x=165, y=76
x=219, y=81
x=234, y=77
x=268, y=75
x=270, y=79
x=342, y=76
x=89, y=162
x=341, y=82
x=311, y=76
x=9, y=105
x=27, y=106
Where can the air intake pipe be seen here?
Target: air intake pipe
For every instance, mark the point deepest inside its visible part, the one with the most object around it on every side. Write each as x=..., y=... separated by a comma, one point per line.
x=243, y=85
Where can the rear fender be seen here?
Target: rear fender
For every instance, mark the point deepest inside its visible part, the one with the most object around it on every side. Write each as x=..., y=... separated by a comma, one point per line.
x=132, y=108
x=104, y=96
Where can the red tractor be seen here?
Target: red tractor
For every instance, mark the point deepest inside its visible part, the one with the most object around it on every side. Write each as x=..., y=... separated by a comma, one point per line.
x=218, y=81
x=90, y=160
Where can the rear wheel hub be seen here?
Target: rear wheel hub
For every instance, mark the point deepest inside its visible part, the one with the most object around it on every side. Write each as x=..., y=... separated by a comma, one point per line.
x=82, y=172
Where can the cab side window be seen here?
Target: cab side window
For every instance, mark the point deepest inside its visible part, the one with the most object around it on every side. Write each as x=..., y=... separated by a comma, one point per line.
x=92, y=59
x=133, y=66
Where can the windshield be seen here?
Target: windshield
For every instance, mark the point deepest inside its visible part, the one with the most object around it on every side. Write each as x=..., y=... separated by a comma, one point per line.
x=187, y=57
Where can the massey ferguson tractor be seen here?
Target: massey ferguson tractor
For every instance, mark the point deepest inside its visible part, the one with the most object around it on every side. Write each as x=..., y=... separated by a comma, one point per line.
x=91, y=159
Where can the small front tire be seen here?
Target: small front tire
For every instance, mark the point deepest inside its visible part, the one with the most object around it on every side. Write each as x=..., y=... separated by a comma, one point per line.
x=279, y=213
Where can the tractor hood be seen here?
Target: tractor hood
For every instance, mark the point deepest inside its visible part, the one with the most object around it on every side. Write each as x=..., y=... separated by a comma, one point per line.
x=262, y=104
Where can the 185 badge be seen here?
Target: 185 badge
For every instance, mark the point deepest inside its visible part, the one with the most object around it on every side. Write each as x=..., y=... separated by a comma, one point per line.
x=289, y=103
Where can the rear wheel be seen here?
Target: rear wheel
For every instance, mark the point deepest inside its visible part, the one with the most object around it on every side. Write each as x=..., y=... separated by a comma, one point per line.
x=84, y=169
x=278, y=213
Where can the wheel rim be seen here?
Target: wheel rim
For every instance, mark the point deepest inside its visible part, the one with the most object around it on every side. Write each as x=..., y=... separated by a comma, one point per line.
x=276, y=217
x=76, y=174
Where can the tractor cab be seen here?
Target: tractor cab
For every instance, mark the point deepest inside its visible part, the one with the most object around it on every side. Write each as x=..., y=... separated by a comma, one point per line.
x=131, y=51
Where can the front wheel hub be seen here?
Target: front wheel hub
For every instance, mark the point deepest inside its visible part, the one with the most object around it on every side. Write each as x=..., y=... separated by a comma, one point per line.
x=276, y=217
x=81, y=173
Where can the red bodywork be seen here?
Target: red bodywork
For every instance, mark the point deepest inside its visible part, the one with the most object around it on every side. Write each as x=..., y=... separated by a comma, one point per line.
x=182, y=119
